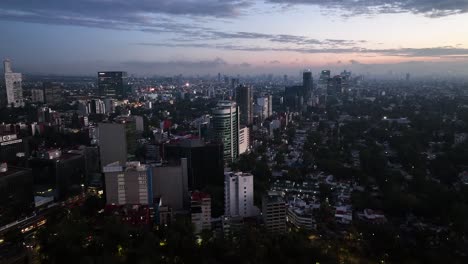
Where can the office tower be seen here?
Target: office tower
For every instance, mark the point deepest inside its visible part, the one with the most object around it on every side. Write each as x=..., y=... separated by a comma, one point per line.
x=219, y=77
x=130, y=183
x=274, y=212
x=16, y=194
x=37, y=96
x=205, y=161
x=52, y=93
x=239, y=195
x=59, y=175
x=335, y=85
x=226, y=128
x=285, y=79
x=244, y=140
x=200, y=209
x=324, y=79
x=13, y=86
x=113, y=84
x=245, y=104
x=307, y=83
x=112, y=143
x=170, y=183
x=293, y=97
x=408, y=76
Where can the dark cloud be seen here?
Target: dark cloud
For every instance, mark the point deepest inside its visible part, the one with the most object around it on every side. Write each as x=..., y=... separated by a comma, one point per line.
x=429, y=8
x=145, y=15
x=354, y=62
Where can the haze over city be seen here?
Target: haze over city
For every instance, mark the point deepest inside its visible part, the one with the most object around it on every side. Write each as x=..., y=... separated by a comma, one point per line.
x=242, y=37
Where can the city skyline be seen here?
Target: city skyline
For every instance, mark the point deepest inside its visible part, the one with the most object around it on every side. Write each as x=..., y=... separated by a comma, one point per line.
x=241, y=37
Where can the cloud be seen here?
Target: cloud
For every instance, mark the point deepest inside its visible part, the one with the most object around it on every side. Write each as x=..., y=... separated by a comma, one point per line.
x=439, y=52
x=205, y=64
x=274, y=62
x=429, y=8
x=145, y=15
x=354, y=62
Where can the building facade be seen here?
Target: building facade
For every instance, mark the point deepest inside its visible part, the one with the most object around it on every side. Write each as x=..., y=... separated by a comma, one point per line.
x=200, y=210
x=128, y=184
x=239, y=195
x=245, y=104
x=244, y=140
x=274, y=212
x=52, y=92
x=113, y=84
x=13, y=95
x=112, y=143
x=225, y=126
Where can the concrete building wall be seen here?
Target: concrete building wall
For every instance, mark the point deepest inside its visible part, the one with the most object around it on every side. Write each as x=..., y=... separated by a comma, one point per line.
x=112, y=143
x=171, y=184
x=239, y=195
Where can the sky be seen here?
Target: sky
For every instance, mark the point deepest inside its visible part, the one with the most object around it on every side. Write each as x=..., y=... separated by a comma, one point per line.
x=165, y=37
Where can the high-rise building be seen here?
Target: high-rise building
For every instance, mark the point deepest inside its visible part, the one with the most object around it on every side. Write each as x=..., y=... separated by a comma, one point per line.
x=112, y=143
x=113, y=84
x=245, y=104
x=265, y=104
x=293, y=97
x=324, y=79
x=274, y=212
x=307, y=83
x=200, y=209
x=335, y=86
x=225, y=127
x=244, y=140
x=205, y=161
x=130, y=183
x=239, y=195
x=13, y=94
x=52, y=92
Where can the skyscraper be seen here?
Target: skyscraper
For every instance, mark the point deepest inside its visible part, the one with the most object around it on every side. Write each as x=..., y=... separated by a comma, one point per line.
x=225, y=127
x=112, y=84
x=324, y=79
x=307, y=83
x=239, y=194
x=244, y=101
x=13, y=86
